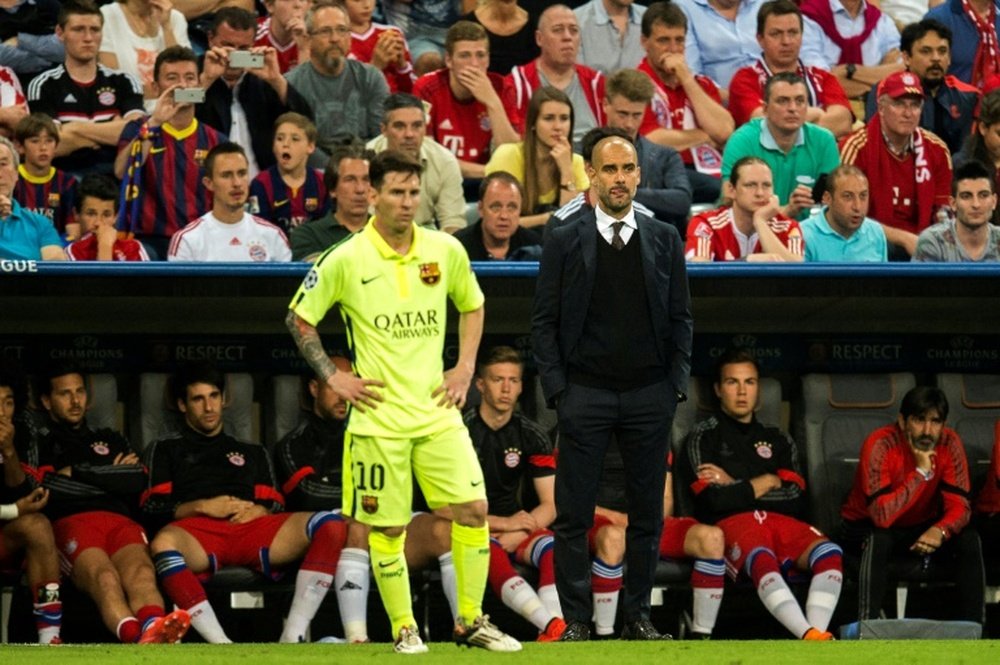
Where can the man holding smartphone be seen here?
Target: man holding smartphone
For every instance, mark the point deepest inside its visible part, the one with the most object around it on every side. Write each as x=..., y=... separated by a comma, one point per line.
x=161, y=156
x=911, y=499
x=243, y=81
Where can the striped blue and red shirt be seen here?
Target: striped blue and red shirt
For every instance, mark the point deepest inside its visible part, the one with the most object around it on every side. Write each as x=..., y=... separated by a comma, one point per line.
x=171, y=191
x=51, y=196
x=276, y=202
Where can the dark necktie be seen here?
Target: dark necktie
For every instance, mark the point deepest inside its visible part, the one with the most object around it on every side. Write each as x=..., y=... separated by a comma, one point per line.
x=616, y=239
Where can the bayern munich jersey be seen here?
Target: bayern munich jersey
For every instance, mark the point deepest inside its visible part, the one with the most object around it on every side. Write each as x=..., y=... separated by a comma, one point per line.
x=395, y=310
x=251, y=239
x=461, y=126
x=713, y=236
x=399, y=77
x=288, y=54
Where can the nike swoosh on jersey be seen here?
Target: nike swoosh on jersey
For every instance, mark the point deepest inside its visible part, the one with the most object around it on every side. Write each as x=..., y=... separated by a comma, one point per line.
x=369, y=279
x=154, y=151
x=280, y=203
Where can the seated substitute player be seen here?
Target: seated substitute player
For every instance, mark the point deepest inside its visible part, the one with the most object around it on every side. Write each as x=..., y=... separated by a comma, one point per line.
x=43, y=188
x=752, y=228
x=911, y=498
x=681, y=538
x=96, y=212
x=393, y=281
x=226, y=511
x=519, y=470
x=95, y=479
x=309, y=466
x=290, y=193
x=969, y=236
x=228, y=232
x=23, y=529
x=746, y=480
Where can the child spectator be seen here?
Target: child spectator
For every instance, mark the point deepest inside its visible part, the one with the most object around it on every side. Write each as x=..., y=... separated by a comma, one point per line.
x=41, y=187
x=285, y=29
x=382, y=46
x=290, y=193
x=96, y=210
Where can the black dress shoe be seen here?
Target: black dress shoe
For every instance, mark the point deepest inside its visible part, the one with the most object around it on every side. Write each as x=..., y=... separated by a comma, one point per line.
x=643, y=629
x=576, y=631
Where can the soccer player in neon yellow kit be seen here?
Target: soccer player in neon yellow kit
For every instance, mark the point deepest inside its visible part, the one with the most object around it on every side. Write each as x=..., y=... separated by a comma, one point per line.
x=392, y=282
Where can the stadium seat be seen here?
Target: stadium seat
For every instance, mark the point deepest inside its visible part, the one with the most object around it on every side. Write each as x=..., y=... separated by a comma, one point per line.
x=102, y=404
x=283, y=408
x=160, y=418
x=840, y=410
x=974, y=409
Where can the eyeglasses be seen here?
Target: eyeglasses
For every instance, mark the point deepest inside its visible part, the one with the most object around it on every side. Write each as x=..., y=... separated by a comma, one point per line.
x=340, y=31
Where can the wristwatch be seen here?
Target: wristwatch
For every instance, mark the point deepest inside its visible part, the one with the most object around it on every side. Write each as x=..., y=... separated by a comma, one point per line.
x=851, y=68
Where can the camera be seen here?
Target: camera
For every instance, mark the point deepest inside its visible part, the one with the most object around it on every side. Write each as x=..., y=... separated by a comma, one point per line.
x=189, y=95
x=246, y=60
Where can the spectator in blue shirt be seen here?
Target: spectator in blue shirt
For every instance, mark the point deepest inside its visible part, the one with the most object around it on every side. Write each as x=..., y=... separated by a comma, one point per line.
x=24, y=235
x=841, y=230
x=966, y=40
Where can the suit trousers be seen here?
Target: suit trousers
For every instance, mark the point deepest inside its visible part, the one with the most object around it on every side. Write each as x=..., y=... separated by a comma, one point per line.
x=641, y=421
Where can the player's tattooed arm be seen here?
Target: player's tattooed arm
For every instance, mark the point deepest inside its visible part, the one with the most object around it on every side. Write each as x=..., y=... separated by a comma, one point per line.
x=310, y=346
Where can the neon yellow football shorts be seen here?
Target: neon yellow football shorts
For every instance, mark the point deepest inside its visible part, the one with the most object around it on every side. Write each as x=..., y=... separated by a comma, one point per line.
x=379, y=472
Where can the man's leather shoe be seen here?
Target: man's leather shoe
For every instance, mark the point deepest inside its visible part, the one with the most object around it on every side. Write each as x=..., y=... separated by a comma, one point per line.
x=576, y=631
x=643, y=629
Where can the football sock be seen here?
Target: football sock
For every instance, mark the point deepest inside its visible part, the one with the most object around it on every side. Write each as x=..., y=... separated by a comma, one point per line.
x=606, y=583
x=327, y=533
x=449, y=585
x=352, y=583
x=470, y=551
x=392, y=578
x=47, y=609
x=775, y=594
x=707, y=582
x=128, y=630
x=542, y=551
x=826, y=563
x=187, y=593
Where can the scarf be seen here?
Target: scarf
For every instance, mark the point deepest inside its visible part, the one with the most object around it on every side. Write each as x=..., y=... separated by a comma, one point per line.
x=814, y=87
x=850, y=47
x=881, y=208
x=987, y=62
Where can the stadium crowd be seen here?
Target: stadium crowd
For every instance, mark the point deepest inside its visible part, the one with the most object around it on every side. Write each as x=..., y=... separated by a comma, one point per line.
x=220, y=130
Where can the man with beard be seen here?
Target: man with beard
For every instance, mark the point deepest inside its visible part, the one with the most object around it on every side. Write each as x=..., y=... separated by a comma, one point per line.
x=949, y=103
x=911, y=499
x=345, y=95
x=969, y=236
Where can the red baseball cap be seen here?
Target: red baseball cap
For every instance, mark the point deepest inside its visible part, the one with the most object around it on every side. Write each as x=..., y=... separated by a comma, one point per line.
x=901, y=84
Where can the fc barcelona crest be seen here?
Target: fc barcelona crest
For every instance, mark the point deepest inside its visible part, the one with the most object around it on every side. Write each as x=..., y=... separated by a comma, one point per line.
x=369, y=504
x=430, y=273
x=312, y=203
x=53, y=199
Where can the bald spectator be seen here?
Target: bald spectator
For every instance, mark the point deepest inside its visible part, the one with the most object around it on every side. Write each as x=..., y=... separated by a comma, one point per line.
x=969, y=236
x=686, y=112
x=911, y=165
x=345, y=95
x=779, y=33
x=663, y=183
x=841, y=230
x=854, y=39
x=404, y=128
x=609, y=34
x=26, y=235
x=498, y=235
x=558, y=38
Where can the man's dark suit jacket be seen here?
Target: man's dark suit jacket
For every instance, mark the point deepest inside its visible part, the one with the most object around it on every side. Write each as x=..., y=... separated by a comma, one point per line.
x=566, y=281
x=261, y=104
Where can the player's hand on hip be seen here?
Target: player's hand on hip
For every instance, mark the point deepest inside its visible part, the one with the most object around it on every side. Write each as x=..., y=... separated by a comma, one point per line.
x=359, y=392
x=454, y=388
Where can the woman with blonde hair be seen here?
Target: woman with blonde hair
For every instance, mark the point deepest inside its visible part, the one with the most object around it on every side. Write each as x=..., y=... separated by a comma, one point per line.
x=550, y=172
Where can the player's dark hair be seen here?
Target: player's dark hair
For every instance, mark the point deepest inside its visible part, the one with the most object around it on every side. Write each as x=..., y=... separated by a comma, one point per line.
x=497, y=355
x=464, y=31
x=499, y=176
x=224, y=148
x=400, y=100
x=973, y=170
x=235, y=17
x=598, y=134
x=842, y=171
x=77, y=8
x=306, y=399
x=194, y=372
x=919, y=30
x=391, y=161
x=13, y=377
x=44, y=378
x=173, y=54
x=34, y=125
x=921, y=400
x=667, y=14
x=734, y=174
x=790, y=78
x=776, y=8
x=98, y=186
x=354, y=149
x=734, y=356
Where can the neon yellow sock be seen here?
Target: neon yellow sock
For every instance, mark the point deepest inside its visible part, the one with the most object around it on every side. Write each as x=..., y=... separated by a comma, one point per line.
x=392, y=578
x=470, y=552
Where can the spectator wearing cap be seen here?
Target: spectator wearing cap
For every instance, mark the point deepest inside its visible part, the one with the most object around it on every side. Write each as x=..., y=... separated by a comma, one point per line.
x=909, y=167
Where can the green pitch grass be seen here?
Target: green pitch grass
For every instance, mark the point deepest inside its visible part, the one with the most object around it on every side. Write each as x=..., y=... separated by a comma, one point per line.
x=606, y=653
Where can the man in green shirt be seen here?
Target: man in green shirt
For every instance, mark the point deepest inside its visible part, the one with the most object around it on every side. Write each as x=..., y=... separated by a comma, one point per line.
x=392, y=282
